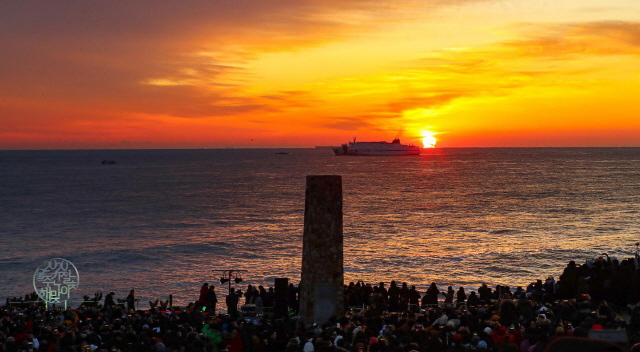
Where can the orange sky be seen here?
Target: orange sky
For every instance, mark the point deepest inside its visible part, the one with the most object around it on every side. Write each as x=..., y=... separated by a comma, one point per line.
x=274, y=73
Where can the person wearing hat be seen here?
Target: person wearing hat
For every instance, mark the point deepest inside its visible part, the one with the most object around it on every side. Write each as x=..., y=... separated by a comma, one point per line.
x=456, y=343
x=292, y=346
x=433, y=341
x=442, y=320
x=498, y=336
x=160, y=347
x=317, y=331
x=340, y=346
x=475, y=339
x=515, y=336
x=308, y=346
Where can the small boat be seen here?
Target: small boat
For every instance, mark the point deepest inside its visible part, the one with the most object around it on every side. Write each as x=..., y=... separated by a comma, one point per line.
x=283, y=153
x=108, y=162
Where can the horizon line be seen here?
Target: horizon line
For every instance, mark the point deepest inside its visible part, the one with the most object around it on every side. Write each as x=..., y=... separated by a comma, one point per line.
x=315, y=147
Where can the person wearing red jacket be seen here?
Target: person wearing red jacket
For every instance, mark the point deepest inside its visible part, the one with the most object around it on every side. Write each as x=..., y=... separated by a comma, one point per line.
x=203, y=293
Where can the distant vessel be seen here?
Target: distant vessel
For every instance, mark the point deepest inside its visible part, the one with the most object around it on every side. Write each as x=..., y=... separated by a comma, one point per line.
x=108, y=162
x=283, y=153
x=376, y=148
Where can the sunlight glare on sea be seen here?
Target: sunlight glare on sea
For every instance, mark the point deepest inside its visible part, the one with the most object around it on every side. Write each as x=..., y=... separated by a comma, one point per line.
x=162, y=222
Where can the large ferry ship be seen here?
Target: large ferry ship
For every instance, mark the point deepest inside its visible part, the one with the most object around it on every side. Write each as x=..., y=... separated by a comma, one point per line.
x=376, y=148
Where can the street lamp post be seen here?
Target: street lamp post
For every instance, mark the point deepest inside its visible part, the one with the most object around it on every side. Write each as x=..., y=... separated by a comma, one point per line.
x=229, y=276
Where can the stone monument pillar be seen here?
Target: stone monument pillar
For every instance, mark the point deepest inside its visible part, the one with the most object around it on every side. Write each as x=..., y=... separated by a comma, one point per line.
x=322, y=283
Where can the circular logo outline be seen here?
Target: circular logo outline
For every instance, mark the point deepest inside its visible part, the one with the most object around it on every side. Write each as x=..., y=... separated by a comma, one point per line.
x=58, y=276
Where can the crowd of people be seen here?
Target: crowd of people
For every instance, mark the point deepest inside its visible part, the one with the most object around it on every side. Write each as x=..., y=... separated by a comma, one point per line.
x=601, y=294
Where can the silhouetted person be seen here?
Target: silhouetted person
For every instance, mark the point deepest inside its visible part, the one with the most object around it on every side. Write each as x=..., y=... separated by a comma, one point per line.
x=449, y=295
x=383, y=291
x=507, y=312
x=461, y=296
x=269, y=299
x=292, y=298
x=204, y=290
x=570, y=279
x=432, y=294
x=131, y=300
x=473, y=300
x=394, y=297
x=414, y=296
x=232, y=303
x=248, y=295
x=257, y=300
x=108, y=300
x=212, y=299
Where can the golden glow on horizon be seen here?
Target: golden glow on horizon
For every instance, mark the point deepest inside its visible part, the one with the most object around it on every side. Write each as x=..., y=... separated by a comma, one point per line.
x=531, y=73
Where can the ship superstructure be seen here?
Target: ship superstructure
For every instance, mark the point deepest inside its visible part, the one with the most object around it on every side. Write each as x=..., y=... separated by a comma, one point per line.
x=394, y=148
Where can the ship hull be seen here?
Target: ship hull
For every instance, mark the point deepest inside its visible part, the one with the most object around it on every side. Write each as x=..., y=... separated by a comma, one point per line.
x=376, y=149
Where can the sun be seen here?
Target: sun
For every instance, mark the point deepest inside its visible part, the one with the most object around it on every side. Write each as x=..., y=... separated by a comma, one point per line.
x=429, y=141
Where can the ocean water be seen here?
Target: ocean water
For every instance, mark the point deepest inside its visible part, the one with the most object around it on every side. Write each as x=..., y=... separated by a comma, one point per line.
x=164, y=221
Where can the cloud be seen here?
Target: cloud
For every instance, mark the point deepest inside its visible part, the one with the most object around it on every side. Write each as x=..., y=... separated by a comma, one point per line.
x=86, y=63
x=571, y=41
x=352, y=123
x=427, y=101
x=549, y=59
x=186, y=60
x=620, y=31
x=450, y=62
